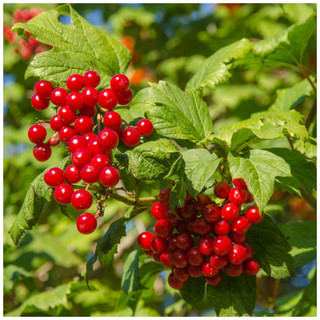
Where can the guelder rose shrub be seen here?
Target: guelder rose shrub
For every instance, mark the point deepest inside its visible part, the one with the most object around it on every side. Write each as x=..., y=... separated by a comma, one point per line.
x=210, y=232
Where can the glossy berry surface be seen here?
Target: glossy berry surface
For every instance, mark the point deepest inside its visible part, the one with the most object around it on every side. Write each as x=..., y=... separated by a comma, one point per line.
x=229, y=212
x=163, y=228
x=171, y=217
x=81, y=157
x=221, y=190
x=66, y=133
x=119, y=83
x=194, y=271
x=125, y=97
x=179, y=258
x=240, y=183
x=67, y=115
x=112, y=120
x=75, y=82
x=166, y=259
x=184, y=241
x=195, y=257
x=208, y=270
x=63, y=193
x=218, y=262
x=83, y=124
x=158, y=244
x=108, y=139
x=81, y=200
x=86, y=223
x=145, y=127
x=90, y=96
x=91, y=79
x=74, y=100
x=72, y=174
x=237, y=254
x=174, y=282
x=238, y=238
x=211, y=213
x=39, y=103
x=90, y=173
x=144, y=240
x=37, y=133
x=237, y=196
x=251, y=267
x=56, y=123
x=158, y=210
x=89, y=111
x=233, y=270
x=109, y=176
x=42, y=152
x=100, y=160
x=181, y=274
x=77, y=142
x=240, y=226
x=221, y=245
x=215, y=280
x=107, y=99
x=131, y=137
x=59, y=96
x=164, y=196
x=205, y=245
x=43, y=88
x=54, y=177
x=94, y=148
x=221, y=227
x=252, y=214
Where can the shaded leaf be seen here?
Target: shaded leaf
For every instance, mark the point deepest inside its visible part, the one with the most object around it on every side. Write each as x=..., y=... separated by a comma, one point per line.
x=193, y=291
x=130, y=278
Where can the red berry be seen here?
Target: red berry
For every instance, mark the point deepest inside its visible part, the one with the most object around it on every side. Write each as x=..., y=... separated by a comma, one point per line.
x=94, y=148
x=238, y=238
x=182, y=226
x=83, y=124
x=195, y=257
x=233, y=270
x=156, y=256
x=194, y=271
x=249, y=198
x=221, y=227
x=249, y=251
x=218, y=262
x=77, y=142
x=125, y=97
x=59, y=96
x=72, y=174
x=179, y=258
x=172, y=242
x=107, y=99
x=63, y=193
x=81, y=157
x=240, y=225
x=144, y=240
x=43, y=88
x=37, y=133
x=131, y=137
x=89, y=111
x=229, y=212
x=74, y=100
x=202, y=201
x=145, y=127
x=174, y=282
x=201, y=227
x=42, y=152
x=86, y=223
x=91, y=79
x=75, y=82
x=112, y=120
x=208, y=270
x=39, y=103
x=90, y=173
x=163, y=228
x=90, y=136
x=215, y=280
x=108, y=139
x=100, y=160
x=119, y=132
x=164, y=196
x=67, y=115
x=240, y=183
x=56, y=123
x=237, y=196
x=90, y=96
x=221, y=190
x=205, y=245
x=252, y=214
x=158, y=244
x=149, y=253
x=251, y=267
x=166, y=259
x=181, y=274
x=54, y=177
x=109, y=176
x=237, y=254
x=158, y=210
x=171, y=217
x=81, y=200
x=188, y=211
x=66, y=133
x=211, y=213
x=221, y=245
x=119, y=83
x=54, y=141
x=184, y=241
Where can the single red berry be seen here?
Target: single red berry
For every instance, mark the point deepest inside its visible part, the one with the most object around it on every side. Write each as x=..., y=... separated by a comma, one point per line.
x=249, y=251
x=107, y=99
x=131, y=137
x=112, y=120
x=221, y=190
x=164, y=196
x=171, y=217
x=233, y=270
x=195, y=257
x=172, y=242
x=72, y=174
x=237, y=254
x=94, y=148
x=119, y=132
x=238, y=238
x=119, y=83
x=100, y=160
x=144, y=240
x=215, y=280
x=251, y=267
x=39, y=103
x=59, y=96
x=75, y=82
x=221, y=227
x=179, y=258
x=182, y=226
x=109, y=176
x=218, y=262
x=67, y=115
x=81, y=200
x=158, y=210
x=174, y=282
x=37, y=133
x=90, y=96
x=54, y=177
x=43, y=88
x=202, y=227
x=191, y=228
x=158, y=244
x=54, y=141
x=86, y=223
x=89, y=111
x=83, y=124
x=90, y=136
x=205, y=245
x=77, y=142
x=56, y=123
x=66, y=133
x=91, y=79
x=108, y=139
x=181, y=274
x=166, y=259
x=81, y=157
x=125, y=97
x=156, y=256
x=240, y=183
x=184, y=241
x=211, y=213
x=63, y=193
x=148, y=252
x=90, y=173
x=75, y=101
x=253, y=215
x=194, y=271
x=208, y=270
x=202, y=201
x=237, y=196
x=145, y=127
x=188, y=211
x=163, y=228
x=229, y=212
x=249, y=198
x=240, y=225
x=221, y=245
x=42, y=152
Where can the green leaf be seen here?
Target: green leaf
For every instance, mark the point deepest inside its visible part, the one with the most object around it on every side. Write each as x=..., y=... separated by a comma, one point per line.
x=76, y=48
x=130, y=278
x=271, y=249
x=258, y=168
x=200, y=165
x=141, y=103
x=234, y=297
x=179, y=115
x=11, y=275
x=215, y=69
x=193, y=291
x=302, y=237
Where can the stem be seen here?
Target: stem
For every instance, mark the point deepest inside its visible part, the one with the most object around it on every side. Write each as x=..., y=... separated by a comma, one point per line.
x=311, y=115
x=146, y=200
x=310, y=199
x=311, y=83
x=123, y=199
x=99, y=116
x=291, y=144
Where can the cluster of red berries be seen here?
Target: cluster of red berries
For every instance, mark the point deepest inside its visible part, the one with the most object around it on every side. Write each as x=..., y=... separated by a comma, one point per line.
x=24, y=48
x=91, y=153
x=209, y=238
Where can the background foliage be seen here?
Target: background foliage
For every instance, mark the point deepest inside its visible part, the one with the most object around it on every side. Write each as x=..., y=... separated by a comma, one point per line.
x=171, y=43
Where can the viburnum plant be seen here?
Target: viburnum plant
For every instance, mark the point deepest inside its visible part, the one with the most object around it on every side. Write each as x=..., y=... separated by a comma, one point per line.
x=210, y=230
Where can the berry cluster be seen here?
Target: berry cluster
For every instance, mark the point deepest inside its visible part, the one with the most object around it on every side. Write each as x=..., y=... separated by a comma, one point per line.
x=91, y=153
x=209, y=238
